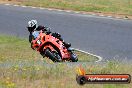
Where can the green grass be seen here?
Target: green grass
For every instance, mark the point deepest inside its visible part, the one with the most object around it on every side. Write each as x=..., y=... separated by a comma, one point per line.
x=105, y=6
x=21, y=67
x=61, y=75
x=13, y=48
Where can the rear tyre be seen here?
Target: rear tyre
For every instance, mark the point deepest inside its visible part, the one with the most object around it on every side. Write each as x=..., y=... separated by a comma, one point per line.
x=57, y=56
x=49, y=54
x=54, y=56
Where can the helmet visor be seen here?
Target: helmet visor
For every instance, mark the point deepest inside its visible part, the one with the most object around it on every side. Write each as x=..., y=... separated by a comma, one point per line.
x=30, y=29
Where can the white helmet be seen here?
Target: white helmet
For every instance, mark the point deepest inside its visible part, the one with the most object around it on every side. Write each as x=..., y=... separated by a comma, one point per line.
x=32, y=25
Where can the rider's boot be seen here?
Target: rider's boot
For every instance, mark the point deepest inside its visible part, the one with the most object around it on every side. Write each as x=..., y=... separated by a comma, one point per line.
x=67, y=45
x=60, y=60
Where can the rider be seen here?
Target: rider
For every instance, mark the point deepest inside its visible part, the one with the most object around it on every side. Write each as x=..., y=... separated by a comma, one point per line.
x=34, y=30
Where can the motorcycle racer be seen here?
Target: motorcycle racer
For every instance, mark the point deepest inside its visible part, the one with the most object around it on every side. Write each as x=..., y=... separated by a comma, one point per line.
x=34, y=30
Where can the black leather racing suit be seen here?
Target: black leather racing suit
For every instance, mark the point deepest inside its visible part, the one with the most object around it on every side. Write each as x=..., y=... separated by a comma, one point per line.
x=47, y=31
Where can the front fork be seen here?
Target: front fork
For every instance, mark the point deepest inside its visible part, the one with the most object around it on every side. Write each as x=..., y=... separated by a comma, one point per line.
x=73, y=56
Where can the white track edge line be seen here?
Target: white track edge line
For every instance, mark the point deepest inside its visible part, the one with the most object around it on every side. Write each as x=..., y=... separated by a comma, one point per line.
x=15, y=5
x=24, y=6
x=77, y=12
x=7, y=4
x=99, y=57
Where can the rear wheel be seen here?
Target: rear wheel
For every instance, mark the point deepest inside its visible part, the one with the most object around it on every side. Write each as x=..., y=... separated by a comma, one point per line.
x=49, y=54
x=54, y=56
x=57, y=56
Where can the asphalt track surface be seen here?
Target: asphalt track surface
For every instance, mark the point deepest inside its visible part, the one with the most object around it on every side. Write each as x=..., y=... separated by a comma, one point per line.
x=106, y=37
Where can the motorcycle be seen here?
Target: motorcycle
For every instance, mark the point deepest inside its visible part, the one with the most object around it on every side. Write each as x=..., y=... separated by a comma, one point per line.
x=53, y=48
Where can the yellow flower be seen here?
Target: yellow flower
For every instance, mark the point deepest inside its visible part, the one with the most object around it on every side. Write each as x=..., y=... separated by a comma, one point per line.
x=37, y=68
x=24, y=69
x=11, y=84
x=8, y=78
x=15, y=69
x=7, y=82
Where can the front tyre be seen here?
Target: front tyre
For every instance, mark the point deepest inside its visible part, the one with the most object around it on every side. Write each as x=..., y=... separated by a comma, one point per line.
x=74, y=57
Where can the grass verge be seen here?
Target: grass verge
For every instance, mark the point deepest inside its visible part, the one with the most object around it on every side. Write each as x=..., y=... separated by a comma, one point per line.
x=113, y=7
x=21, y=67
x=61, y=75
x=13, y=48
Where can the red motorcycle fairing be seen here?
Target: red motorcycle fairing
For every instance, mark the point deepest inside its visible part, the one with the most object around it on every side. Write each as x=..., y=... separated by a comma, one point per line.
x=43, y=41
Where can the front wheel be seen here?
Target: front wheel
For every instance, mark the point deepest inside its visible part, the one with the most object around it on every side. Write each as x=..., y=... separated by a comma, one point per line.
x=74, y=57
